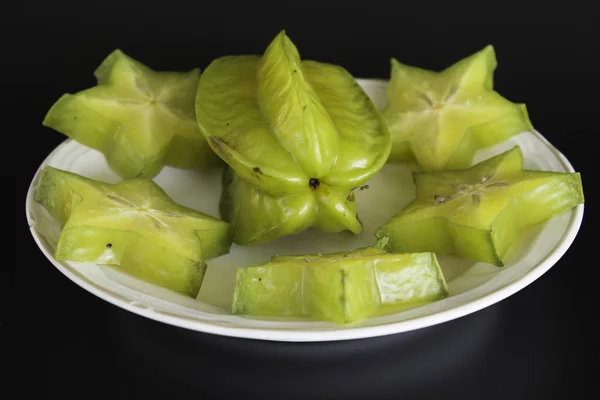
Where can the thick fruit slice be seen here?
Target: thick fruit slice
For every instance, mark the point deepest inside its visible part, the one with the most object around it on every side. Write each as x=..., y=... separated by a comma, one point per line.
x=134, y=225
x=479, y=212
x=338, y=287
x=140, y=119
x=439, y=119
x=300, y=135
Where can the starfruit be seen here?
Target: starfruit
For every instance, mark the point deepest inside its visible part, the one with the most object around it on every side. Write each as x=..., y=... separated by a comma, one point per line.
x=344, y=288
x=440, y=119
x=140, y=119
x=298, y=136
x=479, y=212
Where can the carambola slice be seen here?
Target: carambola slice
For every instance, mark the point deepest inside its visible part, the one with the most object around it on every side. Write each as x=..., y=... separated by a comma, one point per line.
x=139, y=118
x=134, y=225
x=342, y=288
x=479, y=212
x=439, y=119
x=297, y=135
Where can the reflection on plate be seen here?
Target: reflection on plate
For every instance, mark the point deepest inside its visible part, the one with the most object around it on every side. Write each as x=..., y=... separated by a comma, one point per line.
x=472, y=286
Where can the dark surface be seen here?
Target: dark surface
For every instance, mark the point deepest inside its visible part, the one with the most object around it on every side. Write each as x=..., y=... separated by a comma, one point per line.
x=58, y=339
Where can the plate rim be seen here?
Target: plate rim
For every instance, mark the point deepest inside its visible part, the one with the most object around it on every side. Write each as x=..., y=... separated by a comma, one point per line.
x=343, y=333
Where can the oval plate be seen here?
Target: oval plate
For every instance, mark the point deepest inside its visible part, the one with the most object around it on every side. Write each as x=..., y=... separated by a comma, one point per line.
x=472, y=286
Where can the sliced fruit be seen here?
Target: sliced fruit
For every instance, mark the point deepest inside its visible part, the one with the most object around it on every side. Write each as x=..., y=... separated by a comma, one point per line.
x=342, y=288
x=140, y=119
x=479, y=212
x=134, y=225
x=299, y=134
x=439, y=119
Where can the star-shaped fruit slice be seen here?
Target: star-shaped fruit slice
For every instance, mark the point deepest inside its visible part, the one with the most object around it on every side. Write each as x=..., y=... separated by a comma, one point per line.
x=343, y=288
x=479, y=212
x=140, y=119
x=133, y=225
x=439, y=119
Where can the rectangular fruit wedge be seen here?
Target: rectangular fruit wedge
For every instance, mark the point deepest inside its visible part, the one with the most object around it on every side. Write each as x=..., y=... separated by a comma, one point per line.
x=341, y=287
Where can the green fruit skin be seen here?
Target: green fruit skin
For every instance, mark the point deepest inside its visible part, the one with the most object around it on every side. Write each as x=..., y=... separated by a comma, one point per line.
x=537, y=196
x=489, y=134
x=133, y=149
x=265, y=218
x=149, y=260
x=298, y=137
x=366, y=251
x=174, y=261
x=342, y=290
x=256, y=217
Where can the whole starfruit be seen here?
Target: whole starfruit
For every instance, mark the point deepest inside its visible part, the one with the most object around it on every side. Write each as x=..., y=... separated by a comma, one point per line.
x=298, y=136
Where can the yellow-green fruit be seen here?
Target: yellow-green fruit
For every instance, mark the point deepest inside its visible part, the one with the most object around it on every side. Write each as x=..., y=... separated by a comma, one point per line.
x=343, y=288
x=133, y=225
x=439, y=119
x=140, y=119
x=297, y=135
x=479, y=212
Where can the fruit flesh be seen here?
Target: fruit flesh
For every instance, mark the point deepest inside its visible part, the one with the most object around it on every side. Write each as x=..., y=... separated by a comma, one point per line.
x=140, y=119
x=133, y=225
x=479, y=212
x=298, y=136
x=342, y=288
x=439, y=119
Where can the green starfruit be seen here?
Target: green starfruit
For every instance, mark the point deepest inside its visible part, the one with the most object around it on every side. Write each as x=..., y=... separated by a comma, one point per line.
x=298, y=136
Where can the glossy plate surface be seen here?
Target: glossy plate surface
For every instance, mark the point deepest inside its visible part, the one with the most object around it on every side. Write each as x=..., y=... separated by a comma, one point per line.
x=472, y=286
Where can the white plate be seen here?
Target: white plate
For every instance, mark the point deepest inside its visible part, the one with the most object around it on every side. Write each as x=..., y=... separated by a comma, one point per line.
x=472, y=286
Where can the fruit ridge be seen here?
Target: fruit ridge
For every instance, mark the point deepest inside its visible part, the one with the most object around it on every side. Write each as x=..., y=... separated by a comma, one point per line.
x=298, y=136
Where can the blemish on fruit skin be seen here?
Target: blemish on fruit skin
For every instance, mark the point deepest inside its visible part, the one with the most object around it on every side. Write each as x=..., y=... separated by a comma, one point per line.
x=440, y=199
x=108, y=245
x=314, y=183
x=257, y=170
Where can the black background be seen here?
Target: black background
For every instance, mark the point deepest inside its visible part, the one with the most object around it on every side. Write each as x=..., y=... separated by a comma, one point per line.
x=58, y=339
